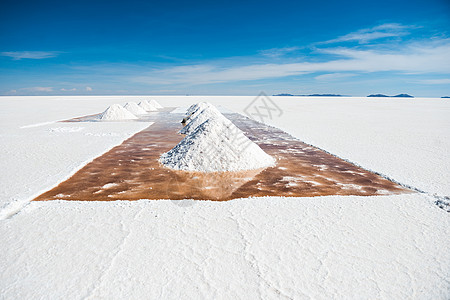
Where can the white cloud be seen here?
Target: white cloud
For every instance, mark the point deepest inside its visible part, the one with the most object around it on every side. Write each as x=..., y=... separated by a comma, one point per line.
x=38, y=89
x=68, y=90
x=435, y=81
x=333, y=76
x=365, y=35
x=88, y=89
x=420, y=57
x=18, y=55
x=423, y=57
x=201, y=74
x=277, y=52
x=11, y=92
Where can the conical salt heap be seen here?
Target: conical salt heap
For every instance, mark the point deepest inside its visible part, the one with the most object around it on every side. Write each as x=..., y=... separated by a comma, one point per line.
x=134, y=108
x=216, y=145
x=155, y=104
x=116, y=112
x=145, y=105
x=200, y=116
x=194, y=110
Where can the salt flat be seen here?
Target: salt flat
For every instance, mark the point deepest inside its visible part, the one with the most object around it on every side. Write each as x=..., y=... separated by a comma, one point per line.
x=325, y=247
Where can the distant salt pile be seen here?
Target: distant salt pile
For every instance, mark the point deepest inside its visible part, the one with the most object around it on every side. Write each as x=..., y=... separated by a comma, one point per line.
x=155, y=104
x=134, y=108
x=216, y=145
x=115, y=113
x=145, y=105
x=196, y=119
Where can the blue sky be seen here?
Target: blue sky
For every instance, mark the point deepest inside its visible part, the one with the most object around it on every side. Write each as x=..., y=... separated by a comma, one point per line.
x=225, y=48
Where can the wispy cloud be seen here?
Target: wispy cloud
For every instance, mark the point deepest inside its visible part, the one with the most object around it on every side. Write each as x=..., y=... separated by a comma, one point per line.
x=324, y=62
x=38, y=89
x=333, y=76
x=435, y=81
x=18, y=55
x=35, y=90
x=366, y=35
x=431, y=56
x=204, y=74
x=277, y=52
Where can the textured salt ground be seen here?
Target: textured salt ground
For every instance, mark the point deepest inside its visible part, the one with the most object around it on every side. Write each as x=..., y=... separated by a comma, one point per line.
x=388, y=247
x=131, y=171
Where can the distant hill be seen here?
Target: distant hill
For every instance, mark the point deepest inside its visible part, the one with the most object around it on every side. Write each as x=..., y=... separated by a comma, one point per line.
x=324, y=95
x=403, y=96
x=378, y=95
x=396, y=96
x=312, y=95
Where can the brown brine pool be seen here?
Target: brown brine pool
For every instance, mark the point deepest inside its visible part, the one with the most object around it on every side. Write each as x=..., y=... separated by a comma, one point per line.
x=131, y=171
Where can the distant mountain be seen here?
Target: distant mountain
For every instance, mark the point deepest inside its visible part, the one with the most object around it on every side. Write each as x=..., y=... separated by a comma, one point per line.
x=378, y=95
x=403, y=96
x=312, y=95
x=396, y=96
x=324, y=95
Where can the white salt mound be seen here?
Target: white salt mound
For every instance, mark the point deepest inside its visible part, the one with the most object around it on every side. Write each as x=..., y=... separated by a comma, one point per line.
x=116, y=112
x=155, y=104
x=134, y=108
x=196, y=109
x=145, y=105
x=197, y=119
x=198, y=106
x=191, y=108
x=217, y=145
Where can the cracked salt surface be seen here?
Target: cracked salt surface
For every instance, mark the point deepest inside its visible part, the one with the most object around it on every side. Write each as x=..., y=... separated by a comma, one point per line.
x=66, y=129
x=322, y=248
x=388, y=247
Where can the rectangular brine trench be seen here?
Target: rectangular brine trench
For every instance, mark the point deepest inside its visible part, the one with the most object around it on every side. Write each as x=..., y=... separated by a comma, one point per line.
x=131, y=171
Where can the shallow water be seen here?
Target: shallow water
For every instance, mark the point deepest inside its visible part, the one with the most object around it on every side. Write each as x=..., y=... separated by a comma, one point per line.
x=131, y=171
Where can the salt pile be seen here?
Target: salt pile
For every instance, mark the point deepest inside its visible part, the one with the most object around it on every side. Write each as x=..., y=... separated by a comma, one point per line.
x=200, y=116
x=155, y=104
x=196, y=106
x=134, y=108
x=116, y=112
x=216, y=145
x=145, y=105
x=196, y=109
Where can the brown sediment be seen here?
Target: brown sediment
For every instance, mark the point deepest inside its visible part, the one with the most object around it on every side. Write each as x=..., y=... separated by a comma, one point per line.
x=131, y=171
